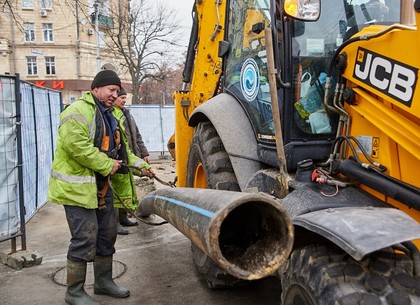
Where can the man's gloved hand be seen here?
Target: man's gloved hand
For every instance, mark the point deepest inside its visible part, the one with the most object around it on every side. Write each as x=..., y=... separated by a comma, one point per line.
x=147, y=172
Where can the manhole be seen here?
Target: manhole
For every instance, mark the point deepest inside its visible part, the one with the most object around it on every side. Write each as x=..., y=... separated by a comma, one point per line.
x=60, y=276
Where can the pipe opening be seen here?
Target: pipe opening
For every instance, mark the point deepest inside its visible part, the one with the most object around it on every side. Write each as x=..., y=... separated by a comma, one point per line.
x=254, y=235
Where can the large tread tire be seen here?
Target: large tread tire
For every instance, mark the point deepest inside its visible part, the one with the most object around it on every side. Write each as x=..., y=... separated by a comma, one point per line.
x=326, y=275
x=207, y=151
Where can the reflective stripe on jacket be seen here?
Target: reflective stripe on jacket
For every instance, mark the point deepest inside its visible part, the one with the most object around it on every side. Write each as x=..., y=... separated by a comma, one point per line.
x=76, y=159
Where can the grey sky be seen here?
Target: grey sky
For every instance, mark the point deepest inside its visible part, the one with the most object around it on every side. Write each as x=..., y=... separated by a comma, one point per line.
x=182, y=9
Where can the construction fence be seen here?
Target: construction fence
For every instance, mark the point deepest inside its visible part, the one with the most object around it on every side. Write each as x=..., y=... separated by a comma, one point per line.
x=29, y=120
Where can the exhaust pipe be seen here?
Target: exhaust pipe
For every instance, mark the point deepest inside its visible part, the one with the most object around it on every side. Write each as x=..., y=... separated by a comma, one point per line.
x=249, y=235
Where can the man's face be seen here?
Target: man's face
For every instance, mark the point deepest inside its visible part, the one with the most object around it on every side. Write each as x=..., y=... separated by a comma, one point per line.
x=120, y=101
x=108, y=94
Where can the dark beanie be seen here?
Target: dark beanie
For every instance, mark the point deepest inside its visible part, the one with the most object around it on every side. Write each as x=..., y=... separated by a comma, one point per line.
x=122, y=92
x=104, y=78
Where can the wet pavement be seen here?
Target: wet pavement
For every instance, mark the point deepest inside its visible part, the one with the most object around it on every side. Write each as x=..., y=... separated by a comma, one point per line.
x=153, y=262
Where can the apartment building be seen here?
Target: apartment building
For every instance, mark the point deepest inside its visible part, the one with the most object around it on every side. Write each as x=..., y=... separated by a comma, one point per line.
x=59, y=44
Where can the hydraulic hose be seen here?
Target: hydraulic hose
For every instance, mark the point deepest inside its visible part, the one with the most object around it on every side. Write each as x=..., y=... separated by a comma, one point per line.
x=405, y=193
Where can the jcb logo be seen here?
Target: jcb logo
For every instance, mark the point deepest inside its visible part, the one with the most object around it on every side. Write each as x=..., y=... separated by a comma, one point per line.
x=393, y=78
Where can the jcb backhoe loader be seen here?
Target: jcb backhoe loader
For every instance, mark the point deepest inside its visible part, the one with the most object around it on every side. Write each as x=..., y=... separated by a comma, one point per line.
x=298, y=148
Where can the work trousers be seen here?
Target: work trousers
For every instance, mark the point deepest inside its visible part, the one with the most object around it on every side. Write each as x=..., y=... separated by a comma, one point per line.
x=93, y=231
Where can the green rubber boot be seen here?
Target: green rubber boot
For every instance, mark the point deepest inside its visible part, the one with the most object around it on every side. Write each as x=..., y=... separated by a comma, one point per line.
x=76, y=276
x=104, y=284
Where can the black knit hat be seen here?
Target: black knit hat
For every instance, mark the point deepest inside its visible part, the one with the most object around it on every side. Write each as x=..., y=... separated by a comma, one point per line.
x=104, y=78
x=122, y=92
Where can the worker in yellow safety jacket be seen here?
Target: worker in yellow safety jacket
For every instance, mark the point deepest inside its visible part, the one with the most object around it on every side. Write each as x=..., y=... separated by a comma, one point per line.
x=135, y=142
x=125, y=197
x=88, y=151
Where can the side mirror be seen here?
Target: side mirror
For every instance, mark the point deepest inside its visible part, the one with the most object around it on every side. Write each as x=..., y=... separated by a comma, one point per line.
x=305, y=10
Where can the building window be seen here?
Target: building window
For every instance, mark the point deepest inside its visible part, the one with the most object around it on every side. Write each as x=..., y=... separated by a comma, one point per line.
x=29, y=31
x=46, y=4
x=47, y=32
x=50, y=65
x=27, y=4
x=31, y=63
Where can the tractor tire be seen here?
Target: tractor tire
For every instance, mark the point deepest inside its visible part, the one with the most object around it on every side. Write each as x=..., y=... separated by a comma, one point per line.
x=207, y=154
x=326, y=275
x=209, y=166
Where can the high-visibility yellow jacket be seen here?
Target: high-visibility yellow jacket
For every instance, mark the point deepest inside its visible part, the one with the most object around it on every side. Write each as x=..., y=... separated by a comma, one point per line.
x=76, y=159
x=123, y=184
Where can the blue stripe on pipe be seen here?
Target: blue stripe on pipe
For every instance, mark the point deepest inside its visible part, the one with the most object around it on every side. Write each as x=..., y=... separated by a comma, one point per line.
x=185, y=205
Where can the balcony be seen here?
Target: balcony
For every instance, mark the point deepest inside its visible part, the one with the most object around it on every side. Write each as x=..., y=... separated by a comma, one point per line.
x=103, y=21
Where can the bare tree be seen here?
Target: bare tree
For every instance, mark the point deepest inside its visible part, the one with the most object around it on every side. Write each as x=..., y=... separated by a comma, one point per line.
x=142, y=35
x=8, y=7
x=154, y=91
x=145, y=35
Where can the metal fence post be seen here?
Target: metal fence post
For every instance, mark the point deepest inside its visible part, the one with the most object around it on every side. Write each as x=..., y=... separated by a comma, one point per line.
x=22, y=211
x=161, y=128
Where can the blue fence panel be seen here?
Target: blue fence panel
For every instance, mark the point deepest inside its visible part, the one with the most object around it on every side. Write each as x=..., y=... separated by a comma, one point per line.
x=44, y=146
x=31, y=141
x=156, y=125
x=29, y=149
x=9, y=217
x=168, y=124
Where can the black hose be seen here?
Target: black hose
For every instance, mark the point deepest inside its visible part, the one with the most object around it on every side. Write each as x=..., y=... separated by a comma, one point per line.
x=399, y=190
x=415, y=256
x=357, y=38
x=171, y=184
x=338, y=51
x=129, y=210
x=337, y=142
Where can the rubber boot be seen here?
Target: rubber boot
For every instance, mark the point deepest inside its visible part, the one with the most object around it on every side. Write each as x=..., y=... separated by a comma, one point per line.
x=124, y=219
x=76, y=276
x=104, y=284
x=120, y=229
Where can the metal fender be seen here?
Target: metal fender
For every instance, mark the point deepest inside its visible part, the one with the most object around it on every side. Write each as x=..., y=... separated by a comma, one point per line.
x=361, y=230
x=231, y=123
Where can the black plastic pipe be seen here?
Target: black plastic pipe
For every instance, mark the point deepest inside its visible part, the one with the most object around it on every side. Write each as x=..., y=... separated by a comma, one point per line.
x=247, y=234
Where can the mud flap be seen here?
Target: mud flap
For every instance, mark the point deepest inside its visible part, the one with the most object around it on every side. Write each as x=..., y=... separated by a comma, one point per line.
x=362, y=230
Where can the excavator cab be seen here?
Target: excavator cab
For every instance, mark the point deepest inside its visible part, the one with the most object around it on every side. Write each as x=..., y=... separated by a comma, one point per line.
x=303, y=49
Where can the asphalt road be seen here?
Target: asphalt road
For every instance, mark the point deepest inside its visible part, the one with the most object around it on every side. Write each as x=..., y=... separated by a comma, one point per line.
x=154, y=262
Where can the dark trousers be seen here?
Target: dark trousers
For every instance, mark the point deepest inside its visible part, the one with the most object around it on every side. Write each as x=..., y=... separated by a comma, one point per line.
x=93, y=231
